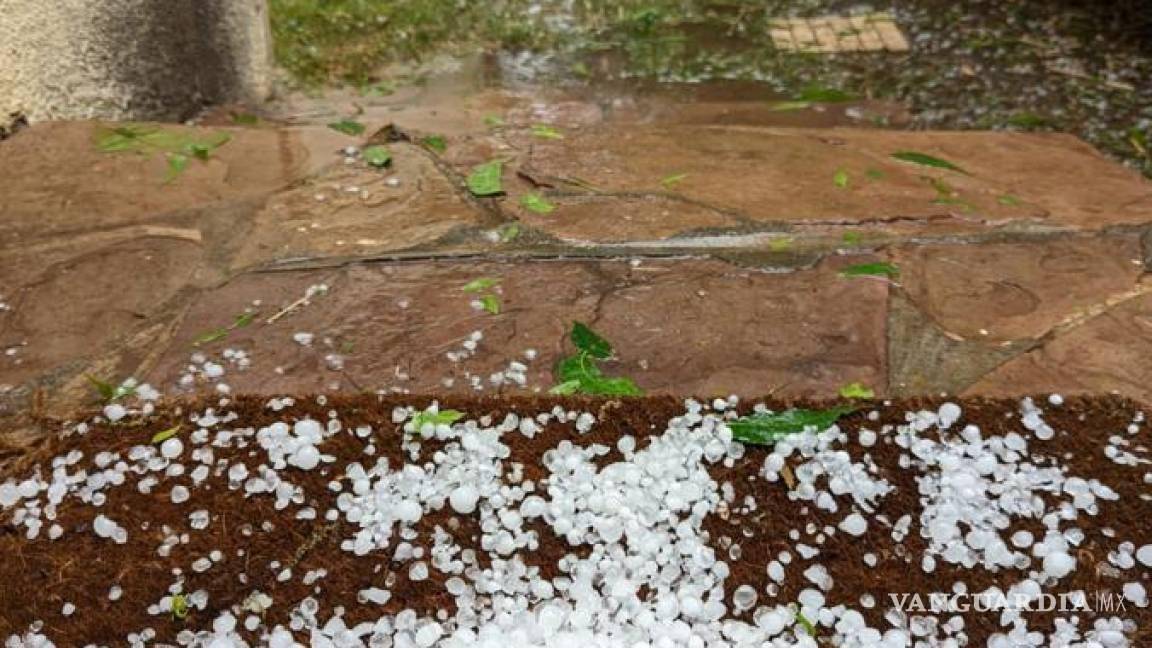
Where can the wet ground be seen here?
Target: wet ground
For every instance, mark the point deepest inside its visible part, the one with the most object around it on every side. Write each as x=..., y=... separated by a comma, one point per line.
x=715, y=231
x=1075, y=67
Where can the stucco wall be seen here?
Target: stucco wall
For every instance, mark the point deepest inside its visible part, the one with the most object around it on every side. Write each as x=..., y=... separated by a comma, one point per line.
x=131, y=59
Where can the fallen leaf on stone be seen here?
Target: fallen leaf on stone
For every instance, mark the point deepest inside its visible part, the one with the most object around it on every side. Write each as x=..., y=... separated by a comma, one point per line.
x=348, y=127
x=485, y=179
x=878, y=269
x=924, y=159
x=537, y=203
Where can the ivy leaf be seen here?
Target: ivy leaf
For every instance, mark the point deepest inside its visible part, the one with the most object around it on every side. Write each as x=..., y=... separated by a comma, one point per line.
x=673, y=180
x=566, y=388
x=879, y=269
x=924, y=159
x=164, y=435
x=841, y=179
x=766, y=429
x=547, y=132
x=611, y=387
x=580, y=368
x=535, y=202
x=856, y=390
x=589, y=342
x=491, y=304
x=481, y=284
x=443, y=417
x=435, y=143
x=348, y=127
x=377, y=156
x=485, y=179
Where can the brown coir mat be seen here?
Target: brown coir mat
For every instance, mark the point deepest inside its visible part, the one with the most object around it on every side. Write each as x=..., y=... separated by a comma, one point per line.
x=64, y=584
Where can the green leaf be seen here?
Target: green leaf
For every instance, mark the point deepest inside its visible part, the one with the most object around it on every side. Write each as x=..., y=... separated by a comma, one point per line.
x=443, y=417
x=1008, y=200
x=589, y=342
x=784, y=106
x=611, y=387
x=485, y=179
x=435, y=143
x=580, y=367
x=211, y=336
x=856, y=390
x=109, y=392
x=874, y=174
x=535, y=202
x=840, y=179
x=820, y=94
x=244, y=319
x=179, y=606
x=493, y=121
x=766, y=429
x=164, y=435
x=106, y=390
x=781, y=244
x=566, y=388
x=878, y=269
x=177, y=163
x=806, y=624
x=508, y=232
x=348, y=127
x=481, y=284
x=673, y=180
x=547, y=132
x=491, y=304
x=924, y=159
x=377, y=156
x=853, y=238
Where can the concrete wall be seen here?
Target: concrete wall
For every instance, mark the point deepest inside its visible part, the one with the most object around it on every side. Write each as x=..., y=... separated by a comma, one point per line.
x=131, y=59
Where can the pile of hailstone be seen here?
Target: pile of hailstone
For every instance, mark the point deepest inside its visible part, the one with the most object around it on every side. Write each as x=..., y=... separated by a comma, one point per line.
x=647, y=575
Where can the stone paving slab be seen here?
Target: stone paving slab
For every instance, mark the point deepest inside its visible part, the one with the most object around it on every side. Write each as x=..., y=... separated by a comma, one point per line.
x=680, y=326
x=104, y=270
x=769, y=176
x=997, y=292
x=352, y=210
x=1108, y=353
x=57, y=182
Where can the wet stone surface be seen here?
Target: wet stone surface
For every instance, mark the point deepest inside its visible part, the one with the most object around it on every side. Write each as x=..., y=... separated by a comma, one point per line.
x=709, y=254
x=687, y=326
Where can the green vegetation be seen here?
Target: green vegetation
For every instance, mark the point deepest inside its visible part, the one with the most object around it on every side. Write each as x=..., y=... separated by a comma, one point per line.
x=768, y=428
x=109, y=392
x=485, y=179
x=878, y=269
x=581, y=373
